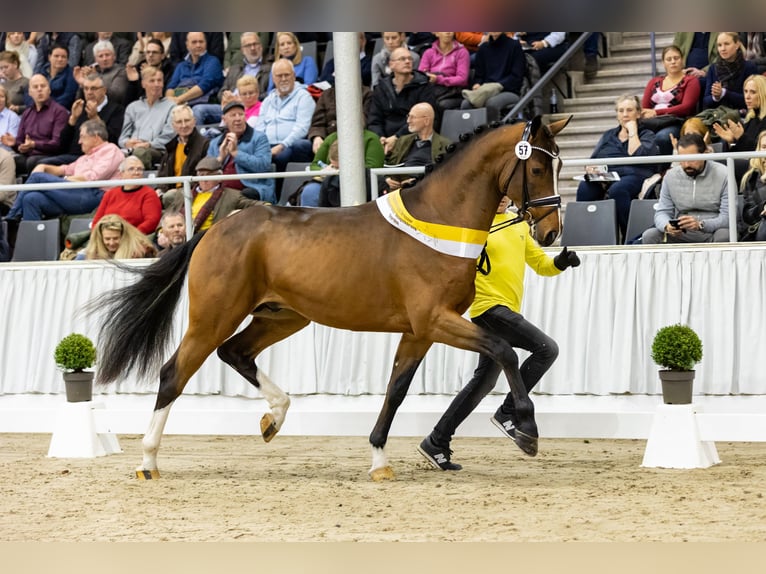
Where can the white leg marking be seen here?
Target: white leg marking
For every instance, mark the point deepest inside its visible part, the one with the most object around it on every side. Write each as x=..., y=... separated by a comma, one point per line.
x=151, y=440
x=379, y=458
x=276, y=397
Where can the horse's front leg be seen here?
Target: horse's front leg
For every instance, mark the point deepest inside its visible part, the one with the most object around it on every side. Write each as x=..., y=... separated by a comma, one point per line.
x=409, y=354
x=453, y=329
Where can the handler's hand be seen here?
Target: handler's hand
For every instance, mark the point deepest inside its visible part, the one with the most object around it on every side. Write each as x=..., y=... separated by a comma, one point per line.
x=566, y=259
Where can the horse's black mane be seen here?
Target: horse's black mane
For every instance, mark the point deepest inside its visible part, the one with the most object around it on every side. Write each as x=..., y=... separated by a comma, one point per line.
x=454, y=149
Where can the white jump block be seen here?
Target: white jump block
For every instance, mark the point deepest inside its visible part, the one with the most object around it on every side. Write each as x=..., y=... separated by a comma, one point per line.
x=674, y=440
x=77, y=435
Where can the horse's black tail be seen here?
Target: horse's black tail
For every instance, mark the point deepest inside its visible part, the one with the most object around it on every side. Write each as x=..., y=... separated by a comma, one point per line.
x=138, y=319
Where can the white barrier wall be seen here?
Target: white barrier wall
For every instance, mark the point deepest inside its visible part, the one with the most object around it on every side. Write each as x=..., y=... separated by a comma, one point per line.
x=603, y=315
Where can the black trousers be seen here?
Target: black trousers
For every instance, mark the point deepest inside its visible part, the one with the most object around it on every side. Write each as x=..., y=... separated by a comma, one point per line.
x=519, y=333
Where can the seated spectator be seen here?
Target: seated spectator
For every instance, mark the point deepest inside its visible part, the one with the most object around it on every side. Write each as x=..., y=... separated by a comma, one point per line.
x=214, y=200
x=743, y=137
x=546, y=47
x=115, y=238
x=71, y=41
x=171, y=233
x=114, y=74
x=7, y=177
x=153, y=54
x=285, y=117
x=500, y=67
x=147, y=127
x=668, y=100
x=60, y=75
x=693, y=205
x=380, y=61
x=753, y=188
x=136, y=204
x=196, y=79
x=242, y=149
x=100, y=161
x=14, y=82
x=393, y=97
x=324, y=120
x=287, y=47
x=9, y=122
x=365, y=63
x=323, y=159
x=96, y=105
x=138, y=53
x=122, y=48
x=179, y=47
x=447, y=65
x=420, y=147
x=40, y=127
x=246, y=92
x=16, y=42
x=626, y=140
x=699, y=50
x=739, y=137
x=182, y=153
x=725, y=78
x=249, y=63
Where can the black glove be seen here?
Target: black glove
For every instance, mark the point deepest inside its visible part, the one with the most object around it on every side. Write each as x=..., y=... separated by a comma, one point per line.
x=566, y=259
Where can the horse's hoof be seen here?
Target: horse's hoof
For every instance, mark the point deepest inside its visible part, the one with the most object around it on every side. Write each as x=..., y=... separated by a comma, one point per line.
x=268, y=427
x=142, y=474
x=382, y=473
x=527, y=444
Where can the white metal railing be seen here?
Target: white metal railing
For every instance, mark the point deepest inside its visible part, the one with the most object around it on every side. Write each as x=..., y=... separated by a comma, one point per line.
x=188, y=180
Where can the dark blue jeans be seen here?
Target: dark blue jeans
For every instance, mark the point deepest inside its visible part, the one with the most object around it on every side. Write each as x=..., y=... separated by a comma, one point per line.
x=517, y=332
x=40, y=204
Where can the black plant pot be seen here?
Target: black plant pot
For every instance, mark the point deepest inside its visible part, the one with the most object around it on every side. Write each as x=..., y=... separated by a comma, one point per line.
x=677, y=387
x=79, y=386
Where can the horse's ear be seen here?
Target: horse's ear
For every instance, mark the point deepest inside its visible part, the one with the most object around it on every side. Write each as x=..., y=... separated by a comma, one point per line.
x=535, y=124
x=556, y=127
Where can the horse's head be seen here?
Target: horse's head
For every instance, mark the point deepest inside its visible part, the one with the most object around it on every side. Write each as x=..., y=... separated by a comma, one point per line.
x=533, y=182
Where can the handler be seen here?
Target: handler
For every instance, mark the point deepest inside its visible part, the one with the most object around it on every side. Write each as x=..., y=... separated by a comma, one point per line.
x=497, y=308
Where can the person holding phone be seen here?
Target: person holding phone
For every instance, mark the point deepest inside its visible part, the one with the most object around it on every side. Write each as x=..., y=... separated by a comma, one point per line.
x=693, y=205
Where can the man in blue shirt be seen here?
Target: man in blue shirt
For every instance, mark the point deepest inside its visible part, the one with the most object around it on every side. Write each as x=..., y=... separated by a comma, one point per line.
x=197, y=77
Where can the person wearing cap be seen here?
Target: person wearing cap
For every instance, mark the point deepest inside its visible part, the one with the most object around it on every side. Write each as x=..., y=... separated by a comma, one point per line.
x=212, y=200
x=242, y=149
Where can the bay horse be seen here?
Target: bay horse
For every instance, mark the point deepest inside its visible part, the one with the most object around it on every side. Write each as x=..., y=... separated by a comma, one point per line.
x=404, y=263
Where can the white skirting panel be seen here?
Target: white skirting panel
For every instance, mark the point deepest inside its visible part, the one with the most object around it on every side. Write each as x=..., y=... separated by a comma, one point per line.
x=603, y=315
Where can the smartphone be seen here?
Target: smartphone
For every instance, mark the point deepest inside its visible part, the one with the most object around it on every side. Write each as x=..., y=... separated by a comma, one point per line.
x=676, y=224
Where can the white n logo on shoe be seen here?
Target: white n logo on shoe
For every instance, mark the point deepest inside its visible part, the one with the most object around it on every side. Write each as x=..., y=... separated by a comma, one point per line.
x=440, y=458
x=508, y=425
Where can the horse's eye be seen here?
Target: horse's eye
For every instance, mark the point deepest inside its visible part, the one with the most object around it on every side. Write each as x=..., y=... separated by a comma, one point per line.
x=537, y=171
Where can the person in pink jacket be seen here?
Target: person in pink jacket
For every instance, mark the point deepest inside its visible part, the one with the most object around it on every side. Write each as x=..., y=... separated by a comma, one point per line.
x=100, y=161
x=447, y=64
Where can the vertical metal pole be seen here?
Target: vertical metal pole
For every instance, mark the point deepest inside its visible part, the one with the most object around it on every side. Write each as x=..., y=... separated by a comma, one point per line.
x=187, y=209
x=348, y=100
x=731, y=181
x=653, y=54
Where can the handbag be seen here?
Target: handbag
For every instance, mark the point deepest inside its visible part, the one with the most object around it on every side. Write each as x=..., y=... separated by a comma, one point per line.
x=658, y=123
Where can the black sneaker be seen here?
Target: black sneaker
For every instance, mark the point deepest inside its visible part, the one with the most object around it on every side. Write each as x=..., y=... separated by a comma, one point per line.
x=526, y=443
x=437, y=456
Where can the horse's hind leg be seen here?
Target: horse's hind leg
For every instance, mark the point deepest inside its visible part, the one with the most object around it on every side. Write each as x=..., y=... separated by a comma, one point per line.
x=174, y=375
x=240, y=351
x=409, y=354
